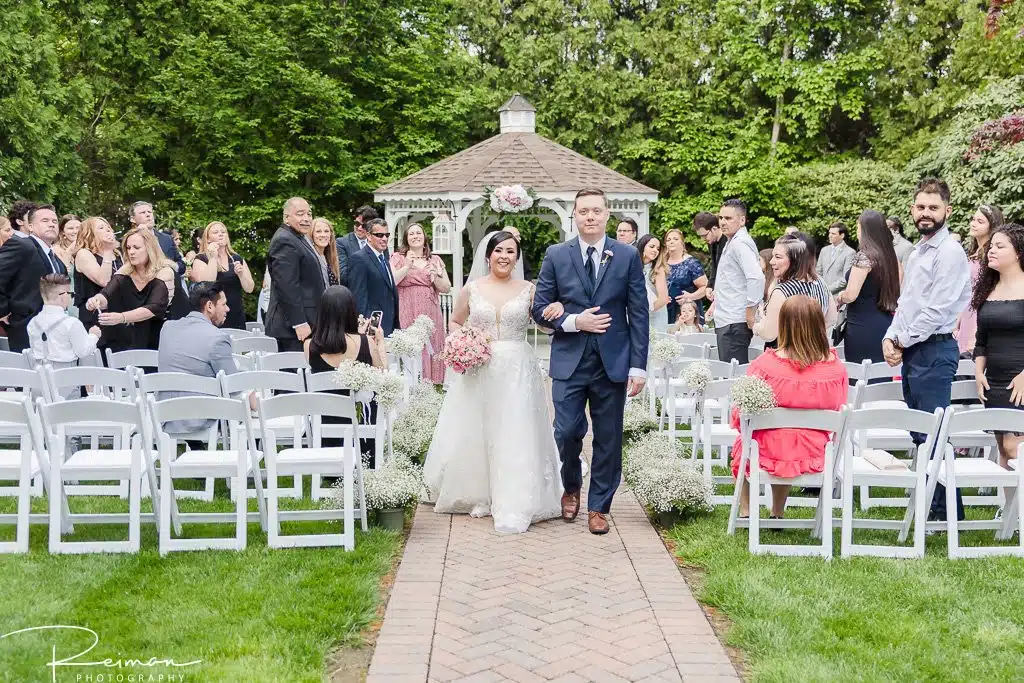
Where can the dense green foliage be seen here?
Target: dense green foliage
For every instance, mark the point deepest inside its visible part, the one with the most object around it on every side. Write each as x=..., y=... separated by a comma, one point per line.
x=810, y=110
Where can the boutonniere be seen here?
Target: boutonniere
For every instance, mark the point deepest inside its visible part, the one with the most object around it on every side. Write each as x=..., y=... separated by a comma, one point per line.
x=607, y=255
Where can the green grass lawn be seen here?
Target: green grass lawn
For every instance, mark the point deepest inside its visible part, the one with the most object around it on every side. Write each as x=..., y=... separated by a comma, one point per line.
x=861, y=619
x=255, y=615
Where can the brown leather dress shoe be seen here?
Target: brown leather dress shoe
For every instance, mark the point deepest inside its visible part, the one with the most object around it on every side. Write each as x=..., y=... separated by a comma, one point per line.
x=570, y=506
x=597, y=523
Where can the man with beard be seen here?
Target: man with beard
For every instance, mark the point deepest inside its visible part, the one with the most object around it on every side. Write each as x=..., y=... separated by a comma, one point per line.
x=936, y=289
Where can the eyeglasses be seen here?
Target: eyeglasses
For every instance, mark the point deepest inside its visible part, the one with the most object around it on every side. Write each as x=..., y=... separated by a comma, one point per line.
x=63, y=293
x=381, y=234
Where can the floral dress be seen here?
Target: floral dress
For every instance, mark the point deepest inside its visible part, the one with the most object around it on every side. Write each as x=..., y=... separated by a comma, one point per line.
x=681, y=278
x=417, y=296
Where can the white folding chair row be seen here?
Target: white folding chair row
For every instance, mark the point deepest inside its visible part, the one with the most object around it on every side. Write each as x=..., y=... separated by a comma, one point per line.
x=659, y=372
x=867, y=371
x=133, y=358
x=830, y=421
x=254, y=344
x=698, y=338
x=682, y=404
x=21, y=464
x=283, y=360
x=21, y=361
x=714, y=433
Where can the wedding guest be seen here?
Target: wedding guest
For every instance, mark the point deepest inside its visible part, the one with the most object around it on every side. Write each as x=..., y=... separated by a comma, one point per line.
x=323, y=239
x=340, y=335
x=793, y=267
x=740, y=285
x=176, y=238
x=835, y=260
x=684, y=274
x=56, y=337
x=355, y=241
x=298, y=277
x=936, y=289
x=219, y=263
x=987, y=218
x=626, y=231
x=22, y=263
x=705, y=224
x=687, y=322
x=133, y=305
x=18, y=215
x=372, y=282
x=264, y=299
x=872, y=290
x=900, y=243
x=194, y=249
x=657, y=283
x=765, y=258
x=67, y=234
x=141, y=215
x=420, y=277
x=999, y=352
x=6, y=231
x=96, y=261
x=804, y=374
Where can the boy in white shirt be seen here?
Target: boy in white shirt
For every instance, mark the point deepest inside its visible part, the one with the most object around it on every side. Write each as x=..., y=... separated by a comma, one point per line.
x=54, y=336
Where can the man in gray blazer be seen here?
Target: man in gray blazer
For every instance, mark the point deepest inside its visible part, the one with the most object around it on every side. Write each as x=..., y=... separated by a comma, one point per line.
x=195, y=345
x=835, y=259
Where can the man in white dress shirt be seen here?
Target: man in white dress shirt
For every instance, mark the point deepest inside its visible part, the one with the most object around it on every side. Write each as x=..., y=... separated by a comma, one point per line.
x=54, y=336
x=836, y=259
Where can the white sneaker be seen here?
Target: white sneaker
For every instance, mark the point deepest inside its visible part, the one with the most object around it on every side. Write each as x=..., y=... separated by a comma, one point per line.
x=583, y=464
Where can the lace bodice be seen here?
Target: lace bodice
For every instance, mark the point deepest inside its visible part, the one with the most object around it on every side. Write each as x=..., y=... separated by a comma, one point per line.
x=508, y=324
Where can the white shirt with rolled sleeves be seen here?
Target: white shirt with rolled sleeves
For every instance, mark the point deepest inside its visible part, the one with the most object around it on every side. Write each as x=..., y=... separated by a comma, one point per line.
x=569, y=324
x=739, y=280
x=936, y=290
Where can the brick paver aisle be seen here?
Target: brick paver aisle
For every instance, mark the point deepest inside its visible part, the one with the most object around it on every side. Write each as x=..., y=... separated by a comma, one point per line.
x=554, y=604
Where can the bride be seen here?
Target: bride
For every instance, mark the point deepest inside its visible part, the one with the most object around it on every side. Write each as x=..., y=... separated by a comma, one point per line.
x=493, y=451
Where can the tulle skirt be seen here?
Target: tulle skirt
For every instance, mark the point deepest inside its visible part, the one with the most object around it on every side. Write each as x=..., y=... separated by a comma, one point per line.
x=493, y=451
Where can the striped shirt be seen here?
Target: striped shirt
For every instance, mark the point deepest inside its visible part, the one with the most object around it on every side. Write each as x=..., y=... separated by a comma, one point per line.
x=816, y=289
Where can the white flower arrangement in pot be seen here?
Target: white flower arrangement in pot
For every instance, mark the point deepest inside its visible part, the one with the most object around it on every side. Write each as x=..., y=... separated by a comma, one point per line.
x=390, y=489
x=667, y=485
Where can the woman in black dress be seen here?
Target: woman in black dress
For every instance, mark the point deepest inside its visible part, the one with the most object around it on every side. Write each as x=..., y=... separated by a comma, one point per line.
x=217, y=262
x=872, y=290
x=339, y=335
x=133, y=305
x=999, y=344
x=96, y=262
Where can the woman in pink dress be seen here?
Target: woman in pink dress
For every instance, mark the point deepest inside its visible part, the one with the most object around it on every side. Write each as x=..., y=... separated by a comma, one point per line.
x=804, y=373
x=420, y=277
x=984, y=222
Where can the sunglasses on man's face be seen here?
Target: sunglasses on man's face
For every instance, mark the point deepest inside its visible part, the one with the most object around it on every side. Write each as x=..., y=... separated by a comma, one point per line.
x=382, y=235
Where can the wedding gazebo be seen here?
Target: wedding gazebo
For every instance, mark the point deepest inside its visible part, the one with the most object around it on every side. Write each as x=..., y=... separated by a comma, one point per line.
x=451, y=192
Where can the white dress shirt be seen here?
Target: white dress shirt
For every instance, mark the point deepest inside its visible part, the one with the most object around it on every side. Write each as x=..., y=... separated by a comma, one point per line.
x=66, y=338
x=936, y=290
x=740, y=280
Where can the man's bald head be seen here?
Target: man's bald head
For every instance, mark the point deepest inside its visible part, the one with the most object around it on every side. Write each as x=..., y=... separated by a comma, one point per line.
x=298, y=215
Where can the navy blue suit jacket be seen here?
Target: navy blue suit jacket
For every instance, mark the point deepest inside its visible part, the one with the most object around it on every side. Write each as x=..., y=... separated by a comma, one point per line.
x=619, y=291
x=372, y=291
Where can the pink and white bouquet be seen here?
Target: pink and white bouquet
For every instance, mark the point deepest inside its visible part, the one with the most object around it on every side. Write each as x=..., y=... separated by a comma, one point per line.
x=511, y=199
x=466, y=348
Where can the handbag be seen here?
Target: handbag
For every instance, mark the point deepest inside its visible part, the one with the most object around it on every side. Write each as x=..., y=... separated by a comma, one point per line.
x=839, y=331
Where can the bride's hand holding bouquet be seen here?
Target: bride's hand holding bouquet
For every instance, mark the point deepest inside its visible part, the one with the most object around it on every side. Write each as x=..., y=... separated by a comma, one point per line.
x=466, y=348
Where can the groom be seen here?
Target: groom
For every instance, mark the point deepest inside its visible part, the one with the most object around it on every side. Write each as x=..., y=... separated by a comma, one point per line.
x=599, y=351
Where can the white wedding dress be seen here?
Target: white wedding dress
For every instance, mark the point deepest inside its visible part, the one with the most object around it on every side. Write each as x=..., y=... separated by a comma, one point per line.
x=493, y=451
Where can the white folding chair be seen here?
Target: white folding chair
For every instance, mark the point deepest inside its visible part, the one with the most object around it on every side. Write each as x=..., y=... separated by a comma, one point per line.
x=659, y=372
x=245, y=363
x=965, y=368
x=698, y=338
x=954, y=473
x=715, y=433
x=236, y=461
x=157, y=384
x=19, y=383
x=20, y=361
x=133, y=358
x=298, y=461
x=266, y=383
x=255, y=328
x=237, y=333
x=283, y=361
x=21, y=465
x=683, y=404
x=123, y=464
x=254, y=343
x=879, y=467
x=368, y=429
x=830, y=421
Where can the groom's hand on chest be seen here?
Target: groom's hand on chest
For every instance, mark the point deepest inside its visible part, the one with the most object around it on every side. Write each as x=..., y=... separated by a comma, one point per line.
x=592, y=321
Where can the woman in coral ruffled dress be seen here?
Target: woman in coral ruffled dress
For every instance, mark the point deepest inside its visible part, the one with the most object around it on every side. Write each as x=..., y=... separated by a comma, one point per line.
x=805, y=374
x=421, y=277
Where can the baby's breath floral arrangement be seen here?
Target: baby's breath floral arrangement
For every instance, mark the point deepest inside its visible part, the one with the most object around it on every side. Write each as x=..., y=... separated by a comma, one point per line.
x=752, y=395
x=405, y=343
x=662, y=479
x=664, y=350
x=697, y=376
x=395, y=484
x=414, y=428
x=387, y=386
x=422, y=327
x=637, y=419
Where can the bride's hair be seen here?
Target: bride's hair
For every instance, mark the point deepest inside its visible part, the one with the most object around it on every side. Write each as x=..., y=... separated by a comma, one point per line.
x=496, y=239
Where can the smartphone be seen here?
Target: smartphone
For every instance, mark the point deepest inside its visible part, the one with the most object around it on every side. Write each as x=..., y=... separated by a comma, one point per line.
x=374, y=322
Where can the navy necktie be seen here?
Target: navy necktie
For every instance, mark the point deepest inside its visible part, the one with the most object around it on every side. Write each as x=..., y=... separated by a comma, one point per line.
x=384, y=269
x=56, y=264
x=591, y=273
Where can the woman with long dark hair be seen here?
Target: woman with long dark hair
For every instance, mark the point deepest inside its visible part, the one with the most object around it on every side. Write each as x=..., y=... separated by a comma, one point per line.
x=657, y=284
x=872, y=289
x=986, y=219
x=793, y=265
x=999, y=352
